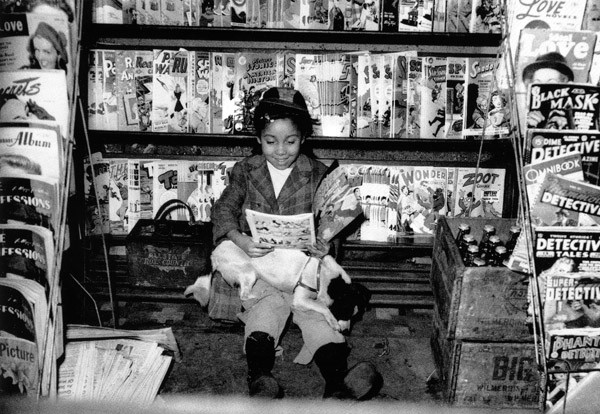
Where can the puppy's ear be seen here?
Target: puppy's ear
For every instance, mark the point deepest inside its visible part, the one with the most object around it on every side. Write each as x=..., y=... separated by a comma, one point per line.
x=337, y=287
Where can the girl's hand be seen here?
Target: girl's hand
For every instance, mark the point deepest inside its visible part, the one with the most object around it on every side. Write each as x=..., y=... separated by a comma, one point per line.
x=252, y=248
x=319, y=249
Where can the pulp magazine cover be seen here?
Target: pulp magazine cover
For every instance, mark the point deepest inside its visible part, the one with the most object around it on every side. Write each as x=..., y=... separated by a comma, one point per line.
x=118, y=195
x=26, y=252
x=564, y=106
x=455, y=96
x=35, y=96
x=542, y=144
x=18, y=44
x=286, y=232
x=127, y=104
x=40, y=145
x=254, y=73
x=29, y=199
x=433, y=97
x=200, y=88
x=143, y=88
x=170, y=91
x=487, y=198
x=561, y=200
x=566, y=165
x=480, y=90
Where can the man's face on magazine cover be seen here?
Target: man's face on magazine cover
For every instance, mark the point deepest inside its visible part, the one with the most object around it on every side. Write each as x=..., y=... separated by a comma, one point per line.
x=280, y=142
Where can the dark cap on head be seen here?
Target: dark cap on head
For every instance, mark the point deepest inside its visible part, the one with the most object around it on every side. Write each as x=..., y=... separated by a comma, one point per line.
x=277, y=103
x=552, y=60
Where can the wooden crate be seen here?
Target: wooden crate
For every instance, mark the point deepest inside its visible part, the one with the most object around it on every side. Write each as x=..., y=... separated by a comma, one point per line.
x=485, y=374
x=480, y=304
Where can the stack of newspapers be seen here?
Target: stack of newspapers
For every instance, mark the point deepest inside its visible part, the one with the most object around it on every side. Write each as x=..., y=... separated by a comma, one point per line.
x=115, y=365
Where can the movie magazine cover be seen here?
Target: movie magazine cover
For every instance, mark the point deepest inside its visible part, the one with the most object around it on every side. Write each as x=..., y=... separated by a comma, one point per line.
x=566, y=165
x=118, y=194
x=29, y=199
x=200, y=88
x=414, y=66
x=39, y=144
x=21, y=331
x=170, y=91
x=487, y=198
x=561, y=201
x=455, y=96
x=541, y=144
x=433, y=97
x=282, y=231
x=564, y=106
x=110, y=92
x=255, y=72
x=143, y=88
x=26, y=252
x=17, y=42
x=485, y=105
x=127, y=102
x=35, y=96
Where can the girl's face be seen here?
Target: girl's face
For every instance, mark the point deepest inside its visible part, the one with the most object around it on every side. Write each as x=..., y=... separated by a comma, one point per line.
x=497, y=101
x=45, y=53
x=280, y=142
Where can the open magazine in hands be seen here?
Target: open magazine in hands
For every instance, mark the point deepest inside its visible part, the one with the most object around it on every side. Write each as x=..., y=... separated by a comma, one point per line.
x=335, y=206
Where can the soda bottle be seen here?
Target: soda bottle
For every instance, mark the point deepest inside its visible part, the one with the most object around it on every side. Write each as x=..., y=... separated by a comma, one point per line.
x=472, y=254
x=463, y=228
x=499, y=256
x=513, y=235
x=488, y=231
x=467, y=240
x=488, y=249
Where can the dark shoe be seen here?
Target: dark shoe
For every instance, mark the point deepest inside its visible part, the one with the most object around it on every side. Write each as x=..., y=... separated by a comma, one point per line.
x=260, y=355
x=363, y=381
x=265, y=386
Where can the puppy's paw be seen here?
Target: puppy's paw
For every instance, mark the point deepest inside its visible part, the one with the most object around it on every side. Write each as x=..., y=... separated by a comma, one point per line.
x=333, y=322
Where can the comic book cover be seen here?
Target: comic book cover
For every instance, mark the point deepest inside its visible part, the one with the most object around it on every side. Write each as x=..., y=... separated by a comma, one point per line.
x=282, y=231
x=225, y=63
x=542, y=144
x=572, y=202
x=110, y=11
x=433, y=98
x=481, y=194
x=451, y=191
x=40, y=146
x=364, y=124
x=152, y=8
x=386, y=101
x=374, y=195
x=408, y=15
x=127, y=102
x=427, y=197
x=35, y=96
x=200, y=87
x=110, y=118
x=23, y=33
x=94, y=92
x=211, y=179
x=377, y=90
x=425, y=20
x=410, y=214
x=465, y=7
x=239, y=13
x=414, y=66
x=595, y=66
x=389, y=16
x=564, y=106
x=118, y=196
x=143, y=88
x=170, y=91
x=481, y=91
x=255, y=72
x=96, y=189
x=334, y=95
x=574, y=49
x=400, y=79
x=307, y=71
x=451, y=16
x=292, y=18
x=29, y=199
x=591, y=17
x=487, y=16
x=171, y=12
x=369, y=18
x=139, y=191
x=567, y=165
x=455, y=96
x=341, y=14
x=142, y=13
x=439, y=16
x=164, y=184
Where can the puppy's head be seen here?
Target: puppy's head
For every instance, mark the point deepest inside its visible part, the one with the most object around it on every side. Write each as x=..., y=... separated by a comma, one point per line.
x=350, y=300
x=200, y=289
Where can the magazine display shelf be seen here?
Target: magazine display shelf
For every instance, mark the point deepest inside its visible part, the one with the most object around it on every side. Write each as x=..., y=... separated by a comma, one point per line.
x=398, y=272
